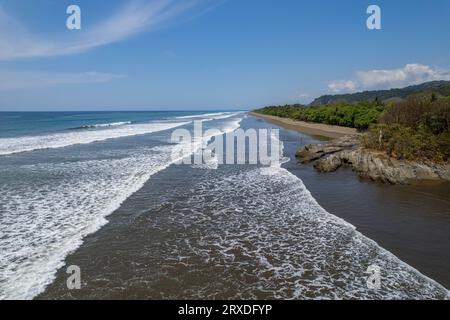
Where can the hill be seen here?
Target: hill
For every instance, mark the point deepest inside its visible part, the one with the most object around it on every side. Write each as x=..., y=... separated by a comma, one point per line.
x=441, y=88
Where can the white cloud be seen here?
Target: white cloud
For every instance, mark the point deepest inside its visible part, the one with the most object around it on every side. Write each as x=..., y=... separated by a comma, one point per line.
x=342, y=85
x=411, y=74
x=135, y=17
x=13, y=80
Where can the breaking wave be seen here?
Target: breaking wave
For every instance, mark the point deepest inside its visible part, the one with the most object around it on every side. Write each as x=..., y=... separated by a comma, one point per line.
x=60, y=140
x=42, y=221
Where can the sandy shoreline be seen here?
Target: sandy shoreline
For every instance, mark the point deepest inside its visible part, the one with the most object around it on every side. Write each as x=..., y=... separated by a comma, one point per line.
x=316, y=129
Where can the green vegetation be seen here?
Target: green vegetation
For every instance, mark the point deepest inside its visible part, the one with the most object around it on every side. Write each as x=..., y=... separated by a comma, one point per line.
x=440, y=88
x=411, y=128
x=358, y=116
x=418, y=128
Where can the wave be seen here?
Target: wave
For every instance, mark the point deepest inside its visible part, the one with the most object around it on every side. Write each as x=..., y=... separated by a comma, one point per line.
x=266, y=218
x=59, y=140
x=430, y=287
x=303, y=251
x=212, y=162
x=102, y=125
x=216, y=116
x=399, y=279
x=45, y=221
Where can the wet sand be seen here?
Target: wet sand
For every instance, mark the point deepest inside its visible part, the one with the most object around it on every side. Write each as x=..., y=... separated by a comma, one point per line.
x=315, y=129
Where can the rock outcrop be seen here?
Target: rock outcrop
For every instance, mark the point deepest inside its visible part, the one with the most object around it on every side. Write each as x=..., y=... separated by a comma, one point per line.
x=314, y=152
x=370, y=164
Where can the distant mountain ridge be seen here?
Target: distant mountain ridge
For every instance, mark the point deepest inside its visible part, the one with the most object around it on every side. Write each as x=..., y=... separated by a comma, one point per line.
x=438, y=87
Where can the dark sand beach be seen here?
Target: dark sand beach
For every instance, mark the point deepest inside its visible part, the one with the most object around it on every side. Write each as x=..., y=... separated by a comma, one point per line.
x=314, y=129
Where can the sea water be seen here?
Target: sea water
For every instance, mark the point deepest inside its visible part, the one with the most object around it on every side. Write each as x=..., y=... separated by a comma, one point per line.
x=101, y=191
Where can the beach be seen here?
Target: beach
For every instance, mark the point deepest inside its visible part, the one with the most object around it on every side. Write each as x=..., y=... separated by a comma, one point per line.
x=315, y=129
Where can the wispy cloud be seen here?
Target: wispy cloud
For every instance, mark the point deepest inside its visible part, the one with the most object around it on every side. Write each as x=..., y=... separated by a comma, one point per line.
x=16, y=41
x=411, y=74
x=13, y=80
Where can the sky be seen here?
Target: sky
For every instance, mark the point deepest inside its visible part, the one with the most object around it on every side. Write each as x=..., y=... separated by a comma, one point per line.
x=213, y=54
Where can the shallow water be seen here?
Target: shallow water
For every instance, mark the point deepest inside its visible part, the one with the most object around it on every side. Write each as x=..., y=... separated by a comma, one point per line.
x=181, y=231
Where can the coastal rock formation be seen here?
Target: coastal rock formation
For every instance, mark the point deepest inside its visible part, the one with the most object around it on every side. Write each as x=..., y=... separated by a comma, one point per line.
x=317, y=151
x=369, y=164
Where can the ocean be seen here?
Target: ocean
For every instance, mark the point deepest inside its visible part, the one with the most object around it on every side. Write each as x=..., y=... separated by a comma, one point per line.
x=102, y=191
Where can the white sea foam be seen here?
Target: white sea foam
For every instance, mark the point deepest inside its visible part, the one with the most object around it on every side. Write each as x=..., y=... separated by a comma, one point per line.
x=59, y=140
x=400, y=271
x=400, y=280
x=408, y=272
x=199, y=145
x=211, y=116
x=104, y=125
x=270, y=229
x=265, y=237
x=43, y=220
x=201, y=115
x=266, y=223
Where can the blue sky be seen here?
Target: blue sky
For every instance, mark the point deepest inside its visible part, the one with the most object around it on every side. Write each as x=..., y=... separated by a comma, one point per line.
x=211, y=55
